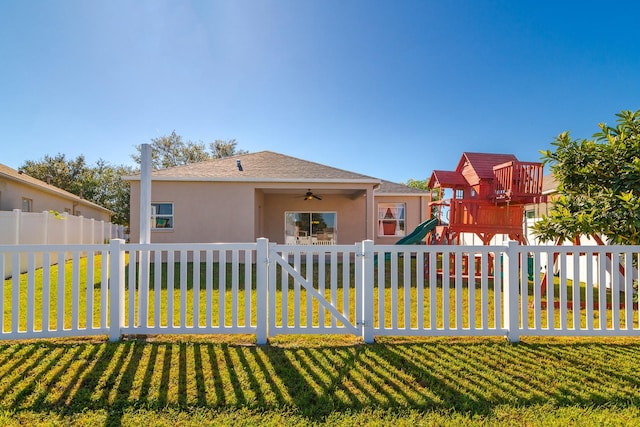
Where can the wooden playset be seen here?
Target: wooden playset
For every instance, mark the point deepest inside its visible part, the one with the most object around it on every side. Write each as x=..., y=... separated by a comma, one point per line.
x=486, y=196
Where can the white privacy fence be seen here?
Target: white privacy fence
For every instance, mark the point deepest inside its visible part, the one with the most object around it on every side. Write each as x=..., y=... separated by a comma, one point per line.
x=47, y=228
x=363, y=289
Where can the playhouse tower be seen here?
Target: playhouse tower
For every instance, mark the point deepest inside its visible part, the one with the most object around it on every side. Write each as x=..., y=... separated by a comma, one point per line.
x=485, y=195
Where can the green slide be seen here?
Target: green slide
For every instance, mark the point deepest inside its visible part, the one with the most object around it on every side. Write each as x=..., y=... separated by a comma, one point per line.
x=414, y=238
x=419, y=233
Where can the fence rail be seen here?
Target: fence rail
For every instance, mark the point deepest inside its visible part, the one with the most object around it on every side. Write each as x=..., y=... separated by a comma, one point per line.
x=364, y=289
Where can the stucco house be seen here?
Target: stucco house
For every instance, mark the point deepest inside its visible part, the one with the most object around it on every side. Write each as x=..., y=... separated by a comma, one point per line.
x=21, y=191
x=283, y=198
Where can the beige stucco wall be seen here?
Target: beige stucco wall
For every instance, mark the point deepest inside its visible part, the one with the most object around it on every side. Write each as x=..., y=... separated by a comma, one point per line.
x=12, y=193
x=204, y=212
x=242, y=212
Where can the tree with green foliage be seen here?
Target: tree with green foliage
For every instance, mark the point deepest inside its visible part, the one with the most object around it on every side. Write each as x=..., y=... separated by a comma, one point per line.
x=101, y=184
x=172, y=150
x=598, y=184
x=221, y=148
x=420, y=184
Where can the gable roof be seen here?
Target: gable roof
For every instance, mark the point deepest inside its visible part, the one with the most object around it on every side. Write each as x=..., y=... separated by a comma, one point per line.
x=483, y=163
x=19, y=176
x=446, y=179
x=265, y=166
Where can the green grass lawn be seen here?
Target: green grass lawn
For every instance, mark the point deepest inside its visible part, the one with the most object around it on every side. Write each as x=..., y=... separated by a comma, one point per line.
x=318, y=380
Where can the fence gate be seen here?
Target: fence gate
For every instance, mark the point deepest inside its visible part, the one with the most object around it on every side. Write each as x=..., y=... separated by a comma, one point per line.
x=314, y=290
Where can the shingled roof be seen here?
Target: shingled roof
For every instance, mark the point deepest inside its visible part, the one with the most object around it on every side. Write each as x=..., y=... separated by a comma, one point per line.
x=14, y=175
x=392, y=188
x=259, y=166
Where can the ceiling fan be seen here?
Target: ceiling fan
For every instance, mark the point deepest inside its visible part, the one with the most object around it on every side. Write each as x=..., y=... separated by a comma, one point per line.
x=311, y=196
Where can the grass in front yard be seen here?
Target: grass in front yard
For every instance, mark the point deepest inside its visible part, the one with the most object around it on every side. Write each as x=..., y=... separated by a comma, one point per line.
x=227, y=381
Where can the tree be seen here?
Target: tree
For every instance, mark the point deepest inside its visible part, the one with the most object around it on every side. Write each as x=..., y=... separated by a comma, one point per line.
x=221, y=148
x=420, y=184
x=68, y=174
x=101, y=184
x=598, y=183
x=171, y=150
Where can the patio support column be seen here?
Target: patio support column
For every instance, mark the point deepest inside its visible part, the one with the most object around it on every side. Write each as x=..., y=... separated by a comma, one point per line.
x=370, y=215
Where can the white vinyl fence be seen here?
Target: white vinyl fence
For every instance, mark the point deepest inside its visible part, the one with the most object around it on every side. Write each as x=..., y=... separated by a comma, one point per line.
x=363, y=289
x=47, y=228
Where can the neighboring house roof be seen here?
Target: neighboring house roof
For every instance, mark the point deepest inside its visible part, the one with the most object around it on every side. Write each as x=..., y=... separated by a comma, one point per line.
x=483, y=163
x=261, y=166
x=19, y=176
x=549, y=184
x=389, y=188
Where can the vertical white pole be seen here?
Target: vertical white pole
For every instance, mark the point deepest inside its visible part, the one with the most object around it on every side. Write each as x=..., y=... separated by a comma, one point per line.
x=262, y=296
x=16, y=227
x=145, y=194
x=45, y=227
x=512, y=291
x=367, y=291
x=145, y=234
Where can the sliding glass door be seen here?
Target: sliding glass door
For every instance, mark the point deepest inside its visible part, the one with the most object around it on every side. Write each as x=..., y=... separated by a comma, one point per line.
x=310, y=228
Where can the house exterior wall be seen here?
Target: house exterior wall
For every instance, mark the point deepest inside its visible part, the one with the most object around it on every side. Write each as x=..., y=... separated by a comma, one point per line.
x=12, y=193
x=203, y=212
x=223, y=211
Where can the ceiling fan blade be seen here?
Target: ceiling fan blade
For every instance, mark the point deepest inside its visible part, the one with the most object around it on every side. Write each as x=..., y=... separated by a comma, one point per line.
x=311, y=196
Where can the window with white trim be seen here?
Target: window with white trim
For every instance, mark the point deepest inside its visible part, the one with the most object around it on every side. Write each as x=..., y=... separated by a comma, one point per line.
x=162, y=216
x=391, y=219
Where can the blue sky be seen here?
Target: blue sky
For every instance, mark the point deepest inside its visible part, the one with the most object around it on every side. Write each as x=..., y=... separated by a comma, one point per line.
x=392, y=89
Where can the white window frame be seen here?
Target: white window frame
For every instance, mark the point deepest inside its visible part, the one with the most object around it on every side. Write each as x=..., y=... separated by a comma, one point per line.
x=155, y=216
x=397, y=220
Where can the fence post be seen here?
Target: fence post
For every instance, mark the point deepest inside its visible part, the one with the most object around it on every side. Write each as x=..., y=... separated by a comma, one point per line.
x=45, y=227
x=511, y=285
x=116, y=288
x=16, y=226
x=367, y=291
x=262, y=295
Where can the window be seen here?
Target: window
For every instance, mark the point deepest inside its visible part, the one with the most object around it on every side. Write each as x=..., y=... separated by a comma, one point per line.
x=310, y=228
x=391, y=219
x=27, y=205
x=162, y=216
